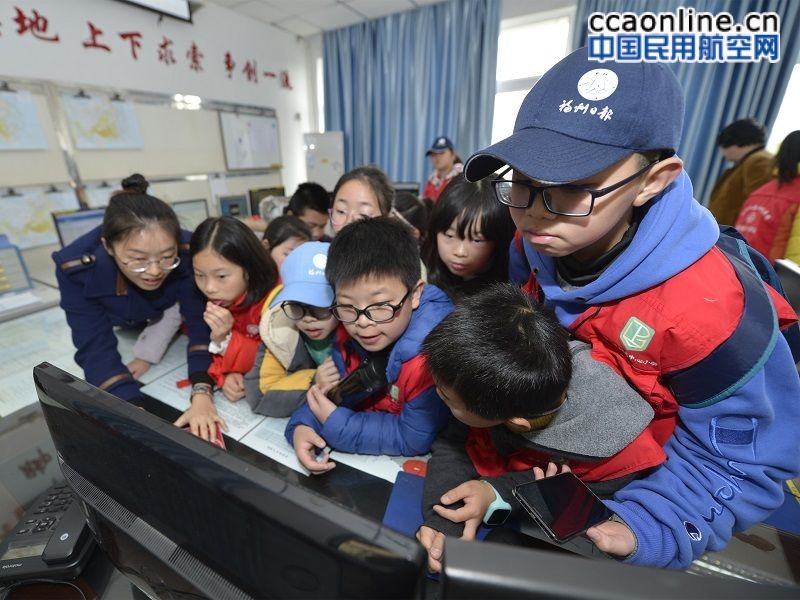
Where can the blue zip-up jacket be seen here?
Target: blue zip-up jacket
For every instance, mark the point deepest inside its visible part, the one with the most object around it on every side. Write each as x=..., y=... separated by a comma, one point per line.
x=412, y=430
x=726, y=463
x=96, y=297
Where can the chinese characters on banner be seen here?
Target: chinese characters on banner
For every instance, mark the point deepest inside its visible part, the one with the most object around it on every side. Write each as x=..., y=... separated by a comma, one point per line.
x=164, y=51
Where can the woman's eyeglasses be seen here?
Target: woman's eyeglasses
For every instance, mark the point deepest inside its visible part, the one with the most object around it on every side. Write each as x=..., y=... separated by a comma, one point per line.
x=140, y=265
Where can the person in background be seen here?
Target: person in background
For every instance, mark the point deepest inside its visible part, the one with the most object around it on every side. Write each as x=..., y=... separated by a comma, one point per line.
x=296, y=336
x=130, y=272
x=466, y=246
x=237, y=276
x=770, y=213
x=523, y=397
x=446, y=165
x=310, y=203
x=386, y=311
x=742, y=143
x=361, y=193
x=284, y=234
x=414, y=211
x=627, y=258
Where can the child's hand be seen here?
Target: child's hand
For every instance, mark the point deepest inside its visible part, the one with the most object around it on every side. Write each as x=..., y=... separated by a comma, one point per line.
x=433, y=542
x=327, y=375
x=233, y=387
x=219, y=319
x=552, y=469
x=476, y=496
x=309, y=447
x=202, y=418
x=319, y=404
x=613, y=537
x=138, y=367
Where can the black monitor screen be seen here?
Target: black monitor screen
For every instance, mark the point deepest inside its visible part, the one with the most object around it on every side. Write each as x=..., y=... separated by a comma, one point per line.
x=181, y=517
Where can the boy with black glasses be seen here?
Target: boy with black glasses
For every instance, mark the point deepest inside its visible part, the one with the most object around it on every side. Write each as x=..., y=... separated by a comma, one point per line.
x=296, y=336
x=629, y=261
x=386, y=310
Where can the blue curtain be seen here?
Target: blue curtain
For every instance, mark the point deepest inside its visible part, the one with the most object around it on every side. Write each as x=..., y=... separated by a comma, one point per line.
x=393, y=84
x=718, y=93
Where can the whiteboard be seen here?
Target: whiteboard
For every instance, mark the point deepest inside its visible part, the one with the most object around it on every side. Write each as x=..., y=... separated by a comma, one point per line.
x=324, y=157
x=250, y=141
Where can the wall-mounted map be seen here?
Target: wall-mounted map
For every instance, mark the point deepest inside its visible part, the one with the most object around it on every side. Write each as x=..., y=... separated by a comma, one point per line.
x=19, y=124
x=98, y=123
x=26, y=216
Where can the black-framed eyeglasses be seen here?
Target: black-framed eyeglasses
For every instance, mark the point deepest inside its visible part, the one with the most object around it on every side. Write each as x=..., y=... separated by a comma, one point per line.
x=297, y=310
x=140, y=265
x=380, y=312
x=566, y=199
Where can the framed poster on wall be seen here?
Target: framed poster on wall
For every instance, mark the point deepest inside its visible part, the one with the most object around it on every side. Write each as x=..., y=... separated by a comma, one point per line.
x=250, y=141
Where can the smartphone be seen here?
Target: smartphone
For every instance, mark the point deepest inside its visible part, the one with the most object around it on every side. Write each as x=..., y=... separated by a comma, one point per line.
x=368, y=378
x=562, y=505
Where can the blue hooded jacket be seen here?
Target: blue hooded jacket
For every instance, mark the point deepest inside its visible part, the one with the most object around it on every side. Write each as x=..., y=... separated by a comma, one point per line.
x=726, y=463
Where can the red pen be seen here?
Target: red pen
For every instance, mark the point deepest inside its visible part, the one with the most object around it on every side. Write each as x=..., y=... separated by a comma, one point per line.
x=182, y=383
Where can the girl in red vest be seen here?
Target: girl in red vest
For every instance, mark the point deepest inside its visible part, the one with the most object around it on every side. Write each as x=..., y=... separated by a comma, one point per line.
x=237, y=276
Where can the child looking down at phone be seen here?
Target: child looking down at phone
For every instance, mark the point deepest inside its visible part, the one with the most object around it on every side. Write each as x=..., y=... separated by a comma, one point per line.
x=386, y=311
x=296, y=336
x=524, y=397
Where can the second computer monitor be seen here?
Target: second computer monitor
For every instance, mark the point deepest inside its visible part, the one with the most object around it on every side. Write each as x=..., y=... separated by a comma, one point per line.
x=191, y=212
x=72, y=224
x=236, y=205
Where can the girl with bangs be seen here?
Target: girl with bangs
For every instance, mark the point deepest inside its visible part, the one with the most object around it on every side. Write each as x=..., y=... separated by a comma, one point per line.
x=466, y=247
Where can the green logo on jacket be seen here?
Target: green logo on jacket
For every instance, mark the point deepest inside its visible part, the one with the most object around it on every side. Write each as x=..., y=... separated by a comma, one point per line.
x=636, y=335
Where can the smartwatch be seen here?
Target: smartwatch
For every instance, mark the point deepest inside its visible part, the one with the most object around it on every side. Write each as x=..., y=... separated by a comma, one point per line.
x=498, y=511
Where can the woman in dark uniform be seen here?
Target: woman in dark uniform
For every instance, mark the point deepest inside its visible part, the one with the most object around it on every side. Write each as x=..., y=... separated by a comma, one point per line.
x=128, y=272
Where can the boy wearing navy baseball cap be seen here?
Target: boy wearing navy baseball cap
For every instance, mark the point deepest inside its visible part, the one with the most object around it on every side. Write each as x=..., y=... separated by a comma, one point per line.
x=627, y=258
x=296, y=336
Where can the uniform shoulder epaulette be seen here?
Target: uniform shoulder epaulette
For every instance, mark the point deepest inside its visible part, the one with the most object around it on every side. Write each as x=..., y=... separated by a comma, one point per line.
x=83, y=260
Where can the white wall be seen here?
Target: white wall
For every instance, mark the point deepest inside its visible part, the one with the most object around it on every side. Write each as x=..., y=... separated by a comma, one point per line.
x=215, y=31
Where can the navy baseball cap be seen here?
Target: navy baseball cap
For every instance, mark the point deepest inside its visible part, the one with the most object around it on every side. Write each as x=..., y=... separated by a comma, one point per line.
x=583, y=116
x=303, y=276
x=440, y=144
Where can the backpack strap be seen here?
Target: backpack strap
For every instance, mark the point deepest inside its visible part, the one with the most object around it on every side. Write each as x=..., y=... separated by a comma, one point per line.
x=734, y=362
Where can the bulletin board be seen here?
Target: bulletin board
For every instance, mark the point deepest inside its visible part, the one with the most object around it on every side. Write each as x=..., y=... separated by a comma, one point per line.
x=250, y=141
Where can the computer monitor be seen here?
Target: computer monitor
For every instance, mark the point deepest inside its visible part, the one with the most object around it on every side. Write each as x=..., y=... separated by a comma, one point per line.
x=191, y=212
x=183, y=518
x=72, y=224
x=236, y=205
x=489, y=570
x=256, y=195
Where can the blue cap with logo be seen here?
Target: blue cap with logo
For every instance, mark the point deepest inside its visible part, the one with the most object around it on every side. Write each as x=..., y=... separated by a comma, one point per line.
x=440, y=144
x=303, y=276
x=583, y=116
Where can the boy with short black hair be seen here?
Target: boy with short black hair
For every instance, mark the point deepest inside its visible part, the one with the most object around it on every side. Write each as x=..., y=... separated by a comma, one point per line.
x=524, y=396
x=310, y=203
x=627, y=258
x=386, y=311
